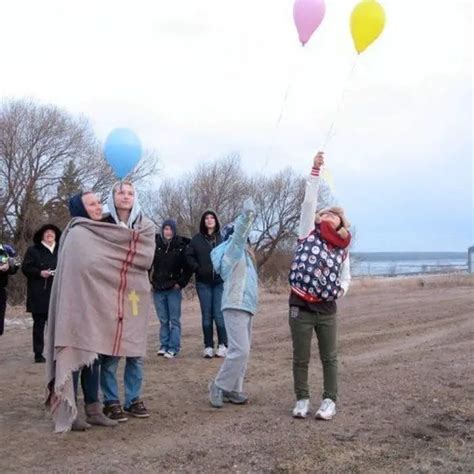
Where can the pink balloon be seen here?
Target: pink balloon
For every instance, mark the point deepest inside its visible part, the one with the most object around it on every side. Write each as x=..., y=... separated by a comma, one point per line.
x=308, y=15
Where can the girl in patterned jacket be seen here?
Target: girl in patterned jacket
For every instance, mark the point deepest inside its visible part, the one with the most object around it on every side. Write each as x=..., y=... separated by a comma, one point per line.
x=319, y=274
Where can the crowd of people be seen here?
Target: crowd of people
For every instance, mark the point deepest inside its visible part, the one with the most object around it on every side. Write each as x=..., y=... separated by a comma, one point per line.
x=88, y=288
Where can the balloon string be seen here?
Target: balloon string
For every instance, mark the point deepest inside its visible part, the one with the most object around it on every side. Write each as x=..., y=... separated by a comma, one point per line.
x=283, y=105
x=330, y=133
x=291, y=75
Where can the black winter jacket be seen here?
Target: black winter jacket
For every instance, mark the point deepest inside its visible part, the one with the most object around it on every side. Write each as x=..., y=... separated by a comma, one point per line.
x=38, y=258
x=170, y=265
x=199, y=251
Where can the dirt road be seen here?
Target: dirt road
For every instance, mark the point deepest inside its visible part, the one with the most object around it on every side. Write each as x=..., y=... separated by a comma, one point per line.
x=406, y=396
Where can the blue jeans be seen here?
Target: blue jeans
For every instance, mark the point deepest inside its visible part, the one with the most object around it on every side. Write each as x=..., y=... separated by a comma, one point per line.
x=168, y=309
x=132, y=378
x=210, y=298
x=89, y=382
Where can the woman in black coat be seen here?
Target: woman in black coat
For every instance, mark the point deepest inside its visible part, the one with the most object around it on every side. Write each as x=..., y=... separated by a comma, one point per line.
x=209, y=284
x=39, y=266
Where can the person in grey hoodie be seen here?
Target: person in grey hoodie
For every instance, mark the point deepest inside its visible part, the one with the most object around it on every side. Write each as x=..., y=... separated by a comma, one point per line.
x=234, y=261
x=125, y=210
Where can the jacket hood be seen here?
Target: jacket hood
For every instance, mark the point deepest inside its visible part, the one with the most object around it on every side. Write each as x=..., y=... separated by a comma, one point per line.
x=136, y=209
x=202, y=225
x=170, y=223
x=38, y=237
x=76, y=206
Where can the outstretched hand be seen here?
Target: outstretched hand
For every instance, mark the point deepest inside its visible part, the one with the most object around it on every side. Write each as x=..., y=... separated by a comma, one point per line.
x=249, y=206
x=318, y=160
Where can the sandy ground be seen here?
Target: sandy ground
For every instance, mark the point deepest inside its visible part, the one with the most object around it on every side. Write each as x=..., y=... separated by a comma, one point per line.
x=406, y=396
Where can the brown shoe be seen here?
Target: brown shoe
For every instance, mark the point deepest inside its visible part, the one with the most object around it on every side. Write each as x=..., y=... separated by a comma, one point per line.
x=115, y=412
x=138, y=410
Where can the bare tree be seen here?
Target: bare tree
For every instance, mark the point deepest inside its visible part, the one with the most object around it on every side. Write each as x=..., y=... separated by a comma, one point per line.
x=96, y=174
x=45, y=154
x=278, y=201
x=36, y=142
x=223, y=186
x=220, y=186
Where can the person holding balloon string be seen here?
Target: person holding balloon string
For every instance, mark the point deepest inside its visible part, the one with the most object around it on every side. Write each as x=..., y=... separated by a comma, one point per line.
x=124, y=210
x=319, y=275
x=101, y=261
x=123, y=151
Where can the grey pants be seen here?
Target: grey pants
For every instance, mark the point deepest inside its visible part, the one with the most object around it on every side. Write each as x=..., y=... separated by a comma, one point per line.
x=239, y=332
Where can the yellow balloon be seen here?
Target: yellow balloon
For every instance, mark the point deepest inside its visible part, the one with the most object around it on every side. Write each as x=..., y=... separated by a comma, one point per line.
x=367, y=23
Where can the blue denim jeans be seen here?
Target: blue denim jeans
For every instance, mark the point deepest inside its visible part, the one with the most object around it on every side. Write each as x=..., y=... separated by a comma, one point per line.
x=168, y=310
x=210, y=298
x=132, y=378
x=89, y=381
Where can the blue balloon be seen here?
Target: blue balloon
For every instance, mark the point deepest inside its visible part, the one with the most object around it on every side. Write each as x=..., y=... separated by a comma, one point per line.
x=122, y=151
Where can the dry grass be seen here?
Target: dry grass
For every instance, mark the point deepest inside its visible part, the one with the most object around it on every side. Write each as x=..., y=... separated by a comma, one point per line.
x=406, y=391
x=362, y=284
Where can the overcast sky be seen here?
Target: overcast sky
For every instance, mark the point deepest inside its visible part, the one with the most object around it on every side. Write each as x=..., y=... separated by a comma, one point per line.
x=197, y=80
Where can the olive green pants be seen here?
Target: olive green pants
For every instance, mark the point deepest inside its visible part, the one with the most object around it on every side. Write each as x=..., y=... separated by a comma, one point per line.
x=302, y=325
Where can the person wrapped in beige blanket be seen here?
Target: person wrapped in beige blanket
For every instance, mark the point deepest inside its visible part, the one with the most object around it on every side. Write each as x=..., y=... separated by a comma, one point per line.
x=100, y=303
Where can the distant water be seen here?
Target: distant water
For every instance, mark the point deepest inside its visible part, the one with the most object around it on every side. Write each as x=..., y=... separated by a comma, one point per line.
x=406, y=263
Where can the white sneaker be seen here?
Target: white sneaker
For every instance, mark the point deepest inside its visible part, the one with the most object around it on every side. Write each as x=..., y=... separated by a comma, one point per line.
x=208, y=353
x=221, y=351
x=161, y=352
x=327, y=410
x=170, y=355
x=301, y=408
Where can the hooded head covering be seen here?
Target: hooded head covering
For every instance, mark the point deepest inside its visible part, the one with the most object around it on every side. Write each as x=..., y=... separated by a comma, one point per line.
x=202, y=225
x=169, y=223
x=38, y=237
x=76, y=206
x=136, y=209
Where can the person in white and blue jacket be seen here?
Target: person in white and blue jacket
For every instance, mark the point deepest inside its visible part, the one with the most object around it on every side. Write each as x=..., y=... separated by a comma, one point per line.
x=319, y=275
x=235, y=262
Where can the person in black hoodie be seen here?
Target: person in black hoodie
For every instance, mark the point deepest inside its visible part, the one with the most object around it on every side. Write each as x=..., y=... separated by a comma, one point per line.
x=7, y=267
x=39, y=266
x=209, y=284
x=170, y=274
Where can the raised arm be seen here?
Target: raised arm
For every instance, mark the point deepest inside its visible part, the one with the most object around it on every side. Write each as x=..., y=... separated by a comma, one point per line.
x=242, y=228
x=310, y=202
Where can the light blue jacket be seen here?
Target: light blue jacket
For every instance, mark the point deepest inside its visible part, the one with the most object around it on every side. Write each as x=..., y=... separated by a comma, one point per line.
x=233, y=263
